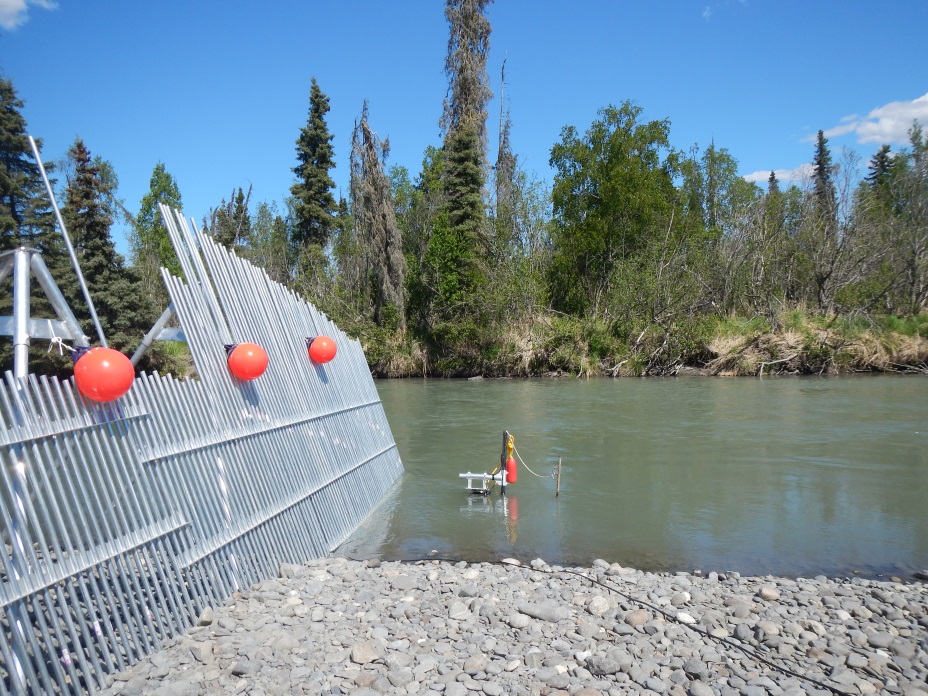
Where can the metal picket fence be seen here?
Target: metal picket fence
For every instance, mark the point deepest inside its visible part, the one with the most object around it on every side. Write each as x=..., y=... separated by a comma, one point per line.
x=122, y=521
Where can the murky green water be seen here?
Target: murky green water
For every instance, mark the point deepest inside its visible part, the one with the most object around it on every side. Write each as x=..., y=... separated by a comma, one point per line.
x=787, y=476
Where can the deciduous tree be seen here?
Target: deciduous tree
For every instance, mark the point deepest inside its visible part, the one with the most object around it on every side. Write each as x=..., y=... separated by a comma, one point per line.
x=150, y=244
x=613, y=191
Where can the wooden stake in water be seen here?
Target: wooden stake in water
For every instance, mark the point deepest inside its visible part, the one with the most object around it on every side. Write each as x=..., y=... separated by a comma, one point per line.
x=557, y=487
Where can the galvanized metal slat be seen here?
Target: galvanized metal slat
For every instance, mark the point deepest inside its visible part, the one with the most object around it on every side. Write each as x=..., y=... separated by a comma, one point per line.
x=160, y=504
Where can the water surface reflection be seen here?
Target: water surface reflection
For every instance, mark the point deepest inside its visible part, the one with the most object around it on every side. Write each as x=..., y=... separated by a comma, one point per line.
x=789, y=476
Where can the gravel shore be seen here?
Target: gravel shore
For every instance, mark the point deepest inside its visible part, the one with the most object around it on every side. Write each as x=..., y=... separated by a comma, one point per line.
x=340, y=626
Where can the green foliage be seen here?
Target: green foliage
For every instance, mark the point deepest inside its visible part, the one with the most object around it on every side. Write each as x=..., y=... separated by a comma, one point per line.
x=733, y=325
x=613, y=192
x=153, y=237
x=268, y=246
x=150, y=243
x=912, y=326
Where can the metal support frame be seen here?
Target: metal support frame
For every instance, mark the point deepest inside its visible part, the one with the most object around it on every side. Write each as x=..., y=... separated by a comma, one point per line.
x=24, y=263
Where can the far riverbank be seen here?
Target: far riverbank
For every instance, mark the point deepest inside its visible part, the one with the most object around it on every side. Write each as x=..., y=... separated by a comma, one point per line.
x=799, y=345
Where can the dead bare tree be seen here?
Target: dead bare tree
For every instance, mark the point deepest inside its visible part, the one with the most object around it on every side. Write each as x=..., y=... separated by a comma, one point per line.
x=377, y=231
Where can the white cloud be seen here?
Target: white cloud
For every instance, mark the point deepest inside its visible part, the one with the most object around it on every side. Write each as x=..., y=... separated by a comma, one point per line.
x=14, y=13
x=884, y=125
x=790, y=176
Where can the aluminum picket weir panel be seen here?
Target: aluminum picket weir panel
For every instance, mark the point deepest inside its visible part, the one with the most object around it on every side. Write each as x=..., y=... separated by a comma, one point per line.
x=122, y=521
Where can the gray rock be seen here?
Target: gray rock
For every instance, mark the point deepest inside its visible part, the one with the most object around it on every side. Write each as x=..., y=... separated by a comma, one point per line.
x=246, y=666
x=768, y=593
x=206, y=617
x=459, y=611
x=694, y=667
x=743, y=633
x=364, y=653
x=400, y=678
x=469, y=590
x=655, y=685
x=698, y=688
x=545, y=612
x=880, y=640
x=292, y=570
x=598, y=605
x=638, y=617
x=475, y=663
x=403, y=583
x=600, y=665
x=533, y=659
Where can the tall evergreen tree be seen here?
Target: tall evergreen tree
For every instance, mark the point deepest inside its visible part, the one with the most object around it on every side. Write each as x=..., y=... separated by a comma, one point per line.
x=773, y=184
x=125, y=313
x=351, y=264
x=150, y=243
x=26, y=219
x=313, y=202
x=25, y=215
x=375, y=223
x=458, y=253
x=879, y=178
x=825, y=195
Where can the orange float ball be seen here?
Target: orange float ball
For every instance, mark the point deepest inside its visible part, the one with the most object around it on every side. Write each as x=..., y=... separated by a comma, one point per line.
x=247, y=361
x=322, y=349
x=103, y=374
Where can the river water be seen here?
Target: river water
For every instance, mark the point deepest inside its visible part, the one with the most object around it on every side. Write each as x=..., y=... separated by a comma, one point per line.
x=787, y=476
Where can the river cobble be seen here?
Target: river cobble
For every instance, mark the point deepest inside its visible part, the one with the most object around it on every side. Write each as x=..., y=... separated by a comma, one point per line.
x=341, y=626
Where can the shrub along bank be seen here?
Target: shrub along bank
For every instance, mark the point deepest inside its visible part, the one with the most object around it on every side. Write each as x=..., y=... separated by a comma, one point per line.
x=795, y=342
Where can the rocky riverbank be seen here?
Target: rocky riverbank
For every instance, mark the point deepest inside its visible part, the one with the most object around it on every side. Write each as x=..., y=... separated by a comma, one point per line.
x=339, y=626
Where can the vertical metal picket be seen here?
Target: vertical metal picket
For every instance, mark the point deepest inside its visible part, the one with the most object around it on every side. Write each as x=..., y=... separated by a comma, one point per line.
x=121, y=522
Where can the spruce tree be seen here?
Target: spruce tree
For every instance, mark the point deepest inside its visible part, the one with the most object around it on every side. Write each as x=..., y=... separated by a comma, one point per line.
x=26, y=219
x=773, y=184
x=313, y=201
x=124, y=312
x=879, y=178
x=25, y=215
x=826, y=199
x=459, y=252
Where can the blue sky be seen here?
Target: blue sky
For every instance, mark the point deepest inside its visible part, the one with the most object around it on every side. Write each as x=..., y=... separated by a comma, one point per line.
x=218, y=91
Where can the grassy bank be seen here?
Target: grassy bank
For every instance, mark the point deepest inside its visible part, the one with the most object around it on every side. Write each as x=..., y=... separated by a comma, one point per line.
x=794, y=342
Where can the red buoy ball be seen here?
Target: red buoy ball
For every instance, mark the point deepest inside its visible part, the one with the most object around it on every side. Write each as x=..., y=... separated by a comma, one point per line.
x=322, y=349
x=103, y=374
x=247, y=361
